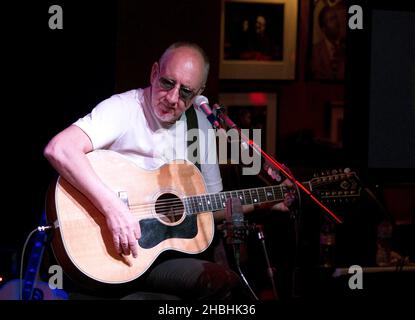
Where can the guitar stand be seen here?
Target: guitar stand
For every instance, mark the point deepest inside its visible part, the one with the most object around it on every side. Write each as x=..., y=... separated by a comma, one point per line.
x=259, y=229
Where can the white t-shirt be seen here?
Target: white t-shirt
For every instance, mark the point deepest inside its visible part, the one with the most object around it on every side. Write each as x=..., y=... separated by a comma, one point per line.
x=126, y=123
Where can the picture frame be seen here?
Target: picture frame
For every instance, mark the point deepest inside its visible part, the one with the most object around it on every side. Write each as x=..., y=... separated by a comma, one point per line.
x=258, y=39
x=262, y=110
x=326, y=50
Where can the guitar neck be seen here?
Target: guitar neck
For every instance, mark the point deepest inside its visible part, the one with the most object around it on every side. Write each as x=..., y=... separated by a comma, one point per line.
x=217, y=201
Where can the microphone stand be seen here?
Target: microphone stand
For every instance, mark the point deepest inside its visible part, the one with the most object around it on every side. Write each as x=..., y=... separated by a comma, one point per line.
x=270, y=270
x=245, y=141
x=236, y=230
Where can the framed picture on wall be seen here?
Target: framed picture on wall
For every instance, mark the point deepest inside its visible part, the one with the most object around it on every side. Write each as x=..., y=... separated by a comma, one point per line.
x=258, y=39
x=327, y=43
x=254, y=110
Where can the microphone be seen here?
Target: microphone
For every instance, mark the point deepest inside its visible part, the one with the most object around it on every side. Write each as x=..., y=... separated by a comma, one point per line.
x=202, y=103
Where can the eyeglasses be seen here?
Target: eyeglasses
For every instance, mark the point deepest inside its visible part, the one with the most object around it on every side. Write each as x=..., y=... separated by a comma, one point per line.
x=185, y=93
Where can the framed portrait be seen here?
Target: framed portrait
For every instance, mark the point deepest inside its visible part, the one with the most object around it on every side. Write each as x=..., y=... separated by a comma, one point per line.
x=254, y=110
x=258, y=39
x=327, y=45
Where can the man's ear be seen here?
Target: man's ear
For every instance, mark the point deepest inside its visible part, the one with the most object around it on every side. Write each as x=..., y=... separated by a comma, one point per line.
x=154, y=70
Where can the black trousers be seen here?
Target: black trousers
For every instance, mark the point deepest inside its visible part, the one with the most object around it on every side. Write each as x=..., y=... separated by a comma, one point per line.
x=177, y=279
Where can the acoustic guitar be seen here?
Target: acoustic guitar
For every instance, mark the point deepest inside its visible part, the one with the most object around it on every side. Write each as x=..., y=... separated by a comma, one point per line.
x=172, y=207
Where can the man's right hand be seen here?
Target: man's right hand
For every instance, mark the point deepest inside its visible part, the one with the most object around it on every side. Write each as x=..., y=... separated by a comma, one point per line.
x=125, y=230
x=67, y=153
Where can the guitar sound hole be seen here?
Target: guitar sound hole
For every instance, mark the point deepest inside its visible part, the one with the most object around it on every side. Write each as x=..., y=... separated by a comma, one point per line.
x=169, y=208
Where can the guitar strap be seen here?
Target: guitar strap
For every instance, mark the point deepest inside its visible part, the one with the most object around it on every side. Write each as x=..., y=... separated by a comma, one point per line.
x=215, y=247
x=192, y=123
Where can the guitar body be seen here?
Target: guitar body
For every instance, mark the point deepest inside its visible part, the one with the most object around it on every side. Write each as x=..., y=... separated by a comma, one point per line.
x=82, y=242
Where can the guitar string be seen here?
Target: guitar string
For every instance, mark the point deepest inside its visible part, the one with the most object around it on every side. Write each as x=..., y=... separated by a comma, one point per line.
x=177, y=204
x=178, y=211
x=160, y=214
x=195, y=204
x=279, y=192
x=168, y=203
x=177, y=207
x=227, y=194
x=162, y=204
x=164, y=207
x=190, y=204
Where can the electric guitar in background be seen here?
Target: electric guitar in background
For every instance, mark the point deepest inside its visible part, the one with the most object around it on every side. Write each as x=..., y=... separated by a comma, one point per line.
x=172, y=207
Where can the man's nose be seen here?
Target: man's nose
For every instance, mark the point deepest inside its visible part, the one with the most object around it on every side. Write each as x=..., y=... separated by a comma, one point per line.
x=173, y=95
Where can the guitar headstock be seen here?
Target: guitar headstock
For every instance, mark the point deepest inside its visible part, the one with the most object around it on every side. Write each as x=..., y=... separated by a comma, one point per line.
x=336, y=186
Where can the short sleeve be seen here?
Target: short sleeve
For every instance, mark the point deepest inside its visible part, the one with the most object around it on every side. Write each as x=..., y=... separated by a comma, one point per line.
x=106, y=122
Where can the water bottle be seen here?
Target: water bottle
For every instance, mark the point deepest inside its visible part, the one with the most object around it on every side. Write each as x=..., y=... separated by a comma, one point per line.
x=383, y=243
x=327, y=244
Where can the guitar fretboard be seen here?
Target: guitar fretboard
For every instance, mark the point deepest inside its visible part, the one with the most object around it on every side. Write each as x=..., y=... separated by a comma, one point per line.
x=217, y=201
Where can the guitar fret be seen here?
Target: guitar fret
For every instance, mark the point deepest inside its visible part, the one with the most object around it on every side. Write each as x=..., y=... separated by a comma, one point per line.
x=254, y=195
x=241, y=197
x=279, y=194
x=187, y=206
x=268, y=193
x=261, y=192
x=208, y=203
x=228, y=195
x=202, y=205
x=218, y=203
x=195, y=205
x=273, y=193
x=203, y=202
x=223, y=199
x=248, y=198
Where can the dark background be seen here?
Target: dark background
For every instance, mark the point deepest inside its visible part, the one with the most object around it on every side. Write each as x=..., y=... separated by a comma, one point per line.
x=52, y=77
